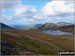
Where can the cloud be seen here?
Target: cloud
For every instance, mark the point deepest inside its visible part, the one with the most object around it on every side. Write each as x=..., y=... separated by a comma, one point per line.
x=59, y=11
x=58, y=7
x=54, y=10
x=6, y=6
x=6, y=18
x=27, y=12
x=22, y=12
x=9, y=4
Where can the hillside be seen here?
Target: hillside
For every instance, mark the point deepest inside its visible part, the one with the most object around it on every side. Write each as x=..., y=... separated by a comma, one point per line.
x=68, y=28
x=62, y=27
x=4, y=26
x=48, y=26
x=31, y=42
x=27, y=27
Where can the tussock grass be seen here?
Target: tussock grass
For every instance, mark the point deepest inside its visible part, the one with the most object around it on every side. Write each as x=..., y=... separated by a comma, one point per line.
x=37, y=42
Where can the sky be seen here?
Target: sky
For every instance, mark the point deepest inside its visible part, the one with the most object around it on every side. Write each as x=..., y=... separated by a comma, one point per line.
x=22, y=12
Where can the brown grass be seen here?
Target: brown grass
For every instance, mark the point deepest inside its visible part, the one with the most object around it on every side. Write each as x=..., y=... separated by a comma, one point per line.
x=38, y=42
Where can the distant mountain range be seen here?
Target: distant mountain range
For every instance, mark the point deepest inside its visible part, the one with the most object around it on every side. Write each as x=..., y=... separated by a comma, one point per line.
x=63, y=23
x=46, y=26
x=4, y=26
x=26, y=27
x=63, y=27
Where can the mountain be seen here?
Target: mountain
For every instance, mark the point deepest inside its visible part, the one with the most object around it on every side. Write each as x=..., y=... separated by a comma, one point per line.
x=67, y=28
x=63, y=23
x=26, y=27
x=48, y=26
x=38, y=25
x=19, y=27
x=4, y=26
x=62, y=27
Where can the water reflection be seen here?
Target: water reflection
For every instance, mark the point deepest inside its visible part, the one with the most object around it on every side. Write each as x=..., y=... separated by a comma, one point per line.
x=56, y=32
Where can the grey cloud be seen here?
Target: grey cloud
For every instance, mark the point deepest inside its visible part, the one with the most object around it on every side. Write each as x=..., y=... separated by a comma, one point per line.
x=64, y=15
x=8, y=4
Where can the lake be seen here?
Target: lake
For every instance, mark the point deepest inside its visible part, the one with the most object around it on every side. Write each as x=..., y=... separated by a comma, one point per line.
x=56, y=32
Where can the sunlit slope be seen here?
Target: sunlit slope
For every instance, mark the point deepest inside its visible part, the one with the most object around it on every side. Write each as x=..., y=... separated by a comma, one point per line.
x=35, y=42
x=62, y=27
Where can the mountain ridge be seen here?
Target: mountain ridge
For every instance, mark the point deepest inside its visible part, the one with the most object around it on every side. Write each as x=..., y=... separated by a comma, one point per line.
x=4, y=26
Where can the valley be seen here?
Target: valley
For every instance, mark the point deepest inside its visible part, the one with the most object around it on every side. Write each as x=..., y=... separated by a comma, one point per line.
x=37, y=27
x=34, y=42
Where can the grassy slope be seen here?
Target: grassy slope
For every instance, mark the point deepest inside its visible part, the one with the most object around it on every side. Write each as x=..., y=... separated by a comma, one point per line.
x=37, y=42
x=62, y=27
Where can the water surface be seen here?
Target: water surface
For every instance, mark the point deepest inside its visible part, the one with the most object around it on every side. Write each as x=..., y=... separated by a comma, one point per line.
x=56, y=32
